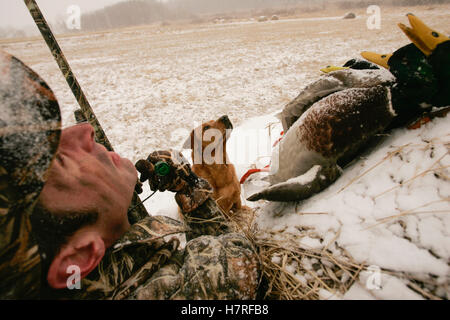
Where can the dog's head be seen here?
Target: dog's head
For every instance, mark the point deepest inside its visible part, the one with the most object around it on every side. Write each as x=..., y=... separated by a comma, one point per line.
x=210, y=134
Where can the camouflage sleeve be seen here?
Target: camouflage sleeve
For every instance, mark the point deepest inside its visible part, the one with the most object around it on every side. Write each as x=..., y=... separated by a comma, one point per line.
x=201, y=212
x=207, y=219
x=219, y=268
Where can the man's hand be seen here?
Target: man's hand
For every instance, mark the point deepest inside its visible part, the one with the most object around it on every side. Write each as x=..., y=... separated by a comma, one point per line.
x=176, y=176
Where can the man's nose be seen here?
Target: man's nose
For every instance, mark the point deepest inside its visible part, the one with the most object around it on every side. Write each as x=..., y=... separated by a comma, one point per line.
x=78, y=136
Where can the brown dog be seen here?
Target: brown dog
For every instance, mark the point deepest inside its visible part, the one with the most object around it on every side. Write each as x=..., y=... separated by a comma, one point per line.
x=210, y=162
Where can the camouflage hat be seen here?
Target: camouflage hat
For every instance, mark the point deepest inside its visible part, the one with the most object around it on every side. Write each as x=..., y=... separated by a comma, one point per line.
x=30, y=128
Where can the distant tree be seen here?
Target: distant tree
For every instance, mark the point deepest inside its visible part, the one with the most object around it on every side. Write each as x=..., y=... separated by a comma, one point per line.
x=123, y=14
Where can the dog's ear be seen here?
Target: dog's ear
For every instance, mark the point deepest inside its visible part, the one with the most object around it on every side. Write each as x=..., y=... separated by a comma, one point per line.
x=189, y=143
x=228, y=134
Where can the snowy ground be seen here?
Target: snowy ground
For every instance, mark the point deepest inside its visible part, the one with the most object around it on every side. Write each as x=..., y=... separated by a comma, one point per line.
x=149, y=86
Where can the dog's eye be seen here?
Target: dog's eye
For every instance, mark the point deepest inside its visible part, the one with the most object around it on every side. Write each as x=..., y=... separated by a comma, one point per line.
x=206, y=128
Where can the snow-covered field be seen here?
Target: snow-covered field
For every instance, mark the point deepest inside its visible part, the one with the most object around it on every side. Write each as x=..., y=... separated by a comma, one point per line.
x=149, y=86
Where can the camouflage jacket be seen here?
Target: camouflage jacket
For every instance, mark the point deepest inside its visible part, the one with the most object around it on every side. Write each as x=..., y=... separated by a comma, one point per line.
x=148, y=263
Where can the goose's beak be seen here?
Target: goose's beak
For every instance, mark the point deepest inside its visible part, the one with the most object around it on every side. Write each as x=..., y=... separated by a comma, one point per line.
x=423, y=37
x=329, y=69
x=379, y=59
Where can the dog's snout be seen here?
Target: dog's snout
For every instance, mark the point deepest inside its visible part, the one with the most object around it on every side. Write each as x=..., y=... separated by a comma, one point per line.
x=226, y=121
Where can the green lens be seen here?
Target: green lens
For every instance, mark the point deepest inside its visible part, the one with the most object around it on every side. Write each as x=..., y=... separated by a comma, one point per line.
x=162, y=169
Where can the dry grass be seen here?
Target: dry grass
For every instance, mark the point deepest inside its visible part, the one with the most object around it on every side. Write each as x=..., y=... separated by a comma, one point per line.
x=277, y=250
x=336, y=275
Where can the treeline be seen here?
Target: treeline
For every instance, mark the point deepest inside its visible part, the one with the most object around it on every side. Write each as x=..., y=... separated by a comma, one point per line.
x=348, y=4
x=418, y=2
x=126, y=14
x=137, y=12
x=223, y=6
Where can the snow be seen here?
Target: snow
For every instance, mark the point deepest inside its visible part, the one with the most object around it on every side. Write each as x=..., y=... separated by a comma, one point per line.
x=391, y=109
x=307, y=177
x=150, y=86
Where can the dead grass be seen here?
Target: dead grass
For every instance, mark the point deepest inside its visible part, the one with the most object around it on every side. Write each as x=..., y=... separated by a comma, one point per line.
x=277, y=250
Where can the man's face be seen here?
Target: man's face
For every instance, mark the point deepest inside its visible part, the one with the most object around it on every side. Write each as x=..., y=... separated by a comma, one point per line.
x=86, y=177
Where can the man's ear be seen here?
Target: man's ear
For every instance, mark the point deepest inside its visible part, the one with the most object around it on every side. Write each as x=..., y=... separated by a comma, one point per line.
x=82, y=253
x=189, y=143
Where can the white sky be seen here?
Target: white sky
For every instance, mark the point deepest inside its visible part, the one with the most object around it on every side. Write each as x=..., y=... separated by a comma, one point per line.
x=15, y=14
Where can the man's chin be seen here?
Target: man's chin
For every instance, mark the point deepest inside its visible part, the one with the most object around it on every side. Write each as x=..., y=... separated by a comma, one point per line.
x=129, y=166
